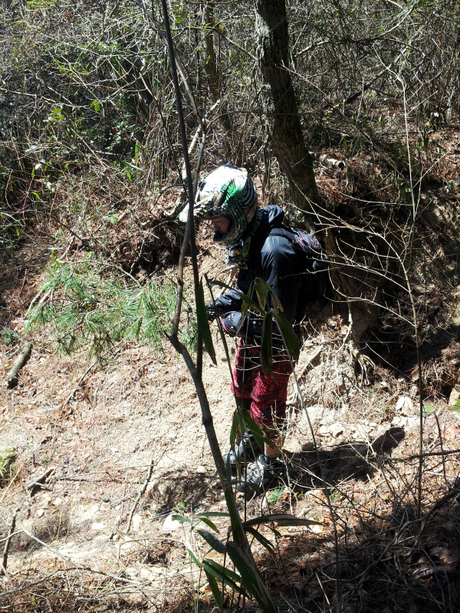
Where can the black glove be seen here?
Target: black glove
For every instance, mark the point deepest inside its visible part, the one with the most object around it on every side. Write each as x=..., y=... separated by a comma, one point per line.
x=212, y=310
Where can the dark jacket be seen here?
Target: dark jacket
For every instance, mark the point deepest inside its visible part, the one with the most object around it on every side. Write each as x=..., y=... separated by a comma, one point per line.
x=277, y=260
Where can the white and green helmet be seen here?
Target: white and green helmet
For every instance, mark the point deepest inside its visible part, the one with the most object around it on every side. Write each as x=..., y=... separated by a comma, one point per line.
x=227, y=191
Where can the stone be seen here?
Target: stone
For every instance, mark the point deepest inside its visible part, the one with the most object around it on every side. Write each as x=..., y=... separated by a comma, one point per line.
x=454, y=395
x=336, y=430
x=405, y=405
x=170, y=524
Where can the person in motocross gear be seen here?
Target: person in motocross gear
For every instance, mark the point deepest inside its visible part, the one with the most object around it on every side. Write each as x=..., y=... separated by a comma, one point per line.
x=261, y=246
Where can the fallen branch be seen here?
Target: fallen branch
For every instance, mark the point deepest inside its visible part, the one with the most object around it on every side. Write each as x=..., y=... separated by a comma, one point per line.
x=77, y=566
x=39, y=482
x=21, y=361
x=310, y=361
x=428, y=454
x=7, y=545
x=139, y=496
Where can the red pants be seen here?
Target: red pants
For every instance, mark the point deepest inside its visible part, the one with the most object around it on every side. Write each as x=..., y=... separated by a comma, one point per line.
x=263, y=394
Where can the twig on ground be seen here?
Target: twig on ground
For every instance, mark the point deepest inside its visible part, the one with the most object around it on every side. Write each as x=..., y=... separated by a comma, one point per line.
x=10, y=484
x=416, y=456
x=139, y=496
x=58, y=554
x=455, y=491
x=7, y=545
x=40, y=481
x=442, y=448
x=72, y=393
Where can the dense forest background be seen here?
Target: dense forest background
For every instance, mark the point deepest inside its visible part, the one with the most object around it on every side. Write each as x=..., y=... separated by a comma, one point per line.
x=346, y=113
x=91, y=154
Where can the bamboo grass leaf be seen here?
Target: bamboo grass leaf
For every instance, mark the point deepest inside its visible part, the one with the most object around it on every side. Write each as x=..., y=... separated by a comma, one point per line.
x=262, y=539
x=234, y=427
x=195, y=560
x=282, y=519
x=228, y=472
x=235, y=520
x=256, y=431
x=215, y=589
x=208, y=522
x=265, y=291
x=251, y=579
x=248, y=303
x=266, y=344
x=287, y=332
x=203, y=323
x=224, y=575
x=220, y=284
x=181, y=518
x=212, y=540
x=262, y=290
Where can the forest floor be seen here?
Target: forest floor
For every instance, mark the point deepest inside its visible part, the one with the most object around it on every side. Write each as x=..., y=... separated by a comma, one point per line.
x=106, y=454
x=104, y=457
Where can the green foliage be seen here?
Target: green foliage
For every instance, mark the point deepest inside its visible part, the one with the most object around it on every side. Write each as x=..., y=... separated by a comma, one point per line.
x=270, y=310
x=456, y=406
x=10, y=223
x=428, y=409
x=7, y=457
x=90, y=83
x=276, y=495
x=203, y=323
x=246, y=580
x=86, y=305
x=251, y=579
x=9, y=337
x=242, y=422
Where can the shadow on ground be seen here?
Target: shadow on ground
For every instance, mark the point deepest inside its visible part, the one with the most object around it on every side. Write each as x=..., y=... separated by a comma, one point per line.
x=188, y=491
x=397, y=563
x=356, y=460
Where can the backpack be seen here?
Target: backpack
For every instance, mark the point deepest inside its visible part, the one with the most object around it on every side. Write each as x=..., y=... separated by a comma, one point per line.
x=316, y=287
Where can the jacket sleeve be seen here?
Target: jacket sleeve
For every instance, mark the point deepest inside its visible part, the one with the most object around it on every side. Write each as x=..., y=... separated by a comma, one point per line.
x=230, y=301
x=278, y=265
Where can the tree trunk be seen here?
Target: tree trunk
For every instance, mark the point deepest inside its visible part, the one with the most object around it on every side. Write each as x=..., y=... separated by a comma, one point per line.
x=280, y=106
